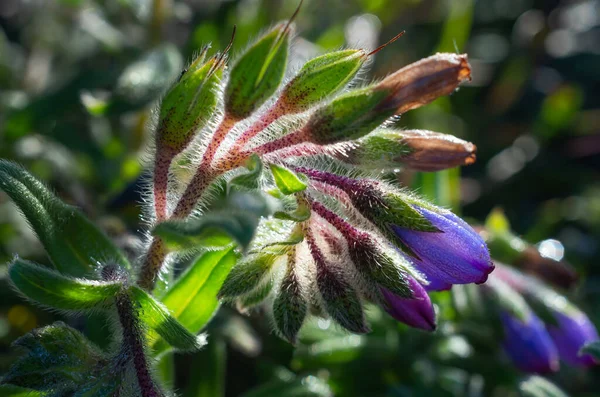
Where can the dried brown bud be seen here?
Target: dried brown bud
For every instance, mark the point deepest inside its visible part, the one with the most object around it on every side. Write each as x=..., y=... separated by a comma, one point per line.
x=432, y=151
x=421, y=82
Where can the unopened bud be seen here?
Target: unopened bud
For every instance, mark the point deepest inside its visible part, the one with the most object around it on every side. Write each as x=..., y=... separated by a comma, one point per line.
x=258, y=73
x=321, y=77
x=421, y=82
x=416, y=149
x=190, y=104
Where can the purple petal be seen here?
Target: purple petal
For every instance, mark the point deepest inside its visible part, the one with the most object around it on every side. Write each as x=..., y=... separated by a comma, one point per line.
x=417, y=312
x=528, y=344
x=456, y=255
x=574, y=330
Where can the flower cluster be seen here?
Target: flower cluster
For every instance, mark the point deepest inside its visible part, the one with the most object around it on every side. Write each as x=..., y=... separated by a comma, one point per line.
x=338, y=237
x=540, y=327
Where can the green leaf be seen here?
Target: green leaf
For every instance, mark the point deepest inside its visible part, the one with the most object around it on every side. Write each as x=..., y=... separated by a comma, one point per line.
x=15, y=391
x=286, y=180
x=249, y=180
x=158, y=317
x=300, y=214
x=192, y=299
x=593, y=349
x=73, y=243
x=536, y=386
x=257, y=73
x=497, y=222
x=57, y=356
x=49, y=288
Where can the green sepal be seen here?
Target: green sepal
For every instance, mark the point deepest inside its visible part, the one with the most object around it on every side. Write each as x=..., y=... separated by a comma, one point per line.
x=504, y=298
x=287, y=180
x=349, y=116
x=190, y=104
x=249, y=180
x=72, y=242
x=192, y=299
x=158, y=318
x=256, y=296
x=380, y=149
x=321, y=77
x=290, y=305
x=49, y=288
x=247, y=275
x=257, y=73
x=593, y=349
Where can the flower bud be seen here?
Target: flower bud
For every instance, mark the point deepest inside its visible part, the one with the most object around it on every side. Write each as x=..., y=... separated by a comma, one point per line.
x=416, y=312
x=421, y=82
x=525, y=340
x=455, y=255
x=321, y=77
x=349, y=116
x=290, y=306
x=190, y=104
x=257, y=73
x=416, y=149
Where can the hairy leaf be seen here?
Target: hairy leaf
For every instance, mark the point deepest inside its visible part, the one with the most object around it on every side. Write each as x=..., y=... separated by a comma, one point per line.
x=286, y=180
x=73, y=243
x=49, y=288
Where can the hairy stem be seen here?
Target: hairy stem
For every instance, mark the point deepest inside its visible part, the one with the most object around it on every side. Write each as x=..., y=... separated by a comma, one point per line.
x=268, y=118
x=157, y=253
x=162, y=163
x=218, y=137
x=295, y=138
x=133, y=345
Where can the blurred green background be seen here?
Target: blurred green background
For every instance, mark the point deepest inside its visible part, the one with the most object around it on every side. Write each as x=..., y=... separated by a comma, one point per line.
x=79, y=80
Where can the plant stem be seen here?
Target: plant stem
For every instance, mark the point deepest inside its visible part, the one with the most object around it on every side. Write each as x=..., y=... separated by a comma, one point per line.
x=218, y=137
x=133, y=344
x=164, y=157
x=268, y=118
x=152, y=264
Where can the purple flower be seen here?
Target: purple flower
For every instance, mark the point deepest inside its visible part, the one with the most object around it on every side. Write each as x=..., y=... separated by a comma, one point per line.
x=417, y=312
x=573, y=331
x=528, y=344
x=455, y=255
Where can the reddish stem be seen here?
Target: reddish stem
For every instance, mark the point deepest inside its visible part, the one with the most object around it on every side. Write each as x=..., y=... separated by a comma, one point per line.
x=268, y=118
x=164, y=157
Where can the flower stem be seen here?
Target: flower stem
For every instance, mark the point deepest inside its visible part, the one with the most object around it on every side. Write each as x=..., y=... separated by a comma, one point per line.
x=268, y=118
x=157, y=253
x=133, y=344
x=218, y=137
x=295, y=138
x=164, y=156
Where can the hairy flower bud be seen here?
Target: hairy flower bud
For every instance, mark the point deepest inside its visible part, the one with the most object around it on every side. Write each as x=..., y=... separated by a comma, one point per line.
x=290, y=306
x=416, y=312
x=257, y=73
x=419, y=150
x=190, y=104
x=421, y=82
x=321, y=77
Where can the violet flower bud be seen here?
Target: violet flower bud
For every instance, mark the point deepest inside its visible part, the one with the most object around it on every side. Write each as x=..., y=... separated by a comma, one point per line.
x=528, y=344
x=455, y=255
x=416, y=312
x=573, y=331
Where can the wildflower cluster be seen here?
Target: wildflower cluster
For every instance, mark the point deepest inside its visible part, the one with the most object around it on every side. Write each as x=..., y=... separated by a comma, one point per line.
x=333, y=236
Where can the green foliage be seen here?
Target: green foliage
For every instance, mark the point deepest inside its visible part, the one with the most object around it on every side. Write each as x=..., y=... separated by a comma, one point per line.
x=286, y=180
x=73, y=243
x=536, y=386
x=49, y=288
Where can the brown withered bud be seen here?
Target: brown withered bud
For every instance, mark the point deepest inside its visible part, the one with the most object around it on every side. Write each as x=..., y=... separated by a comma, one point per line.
x=422, y=82
x=432, y=151
x=555, y=272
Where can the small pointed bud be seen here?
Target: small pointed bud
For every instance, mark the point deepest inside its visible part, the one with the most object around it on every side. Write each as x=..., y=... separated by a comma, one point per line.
x=528, y=344
x=350, y=116
x=419, y=150
x=339, y=297
x=321, y=77
x=247, y=276
x=525, y=340
x=454, y=255
x=416, y=312
x=257, y=73
x=422, y=82
x=573, y=330
x=290, y=306
x=189, y=105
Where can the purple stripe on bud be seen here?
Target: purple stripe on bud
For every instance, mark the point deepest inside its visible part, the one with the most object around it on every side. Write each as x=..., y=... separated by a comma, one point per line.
x=573, y=331
x=457, y=255
x=417, y=312
x=528, y=344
